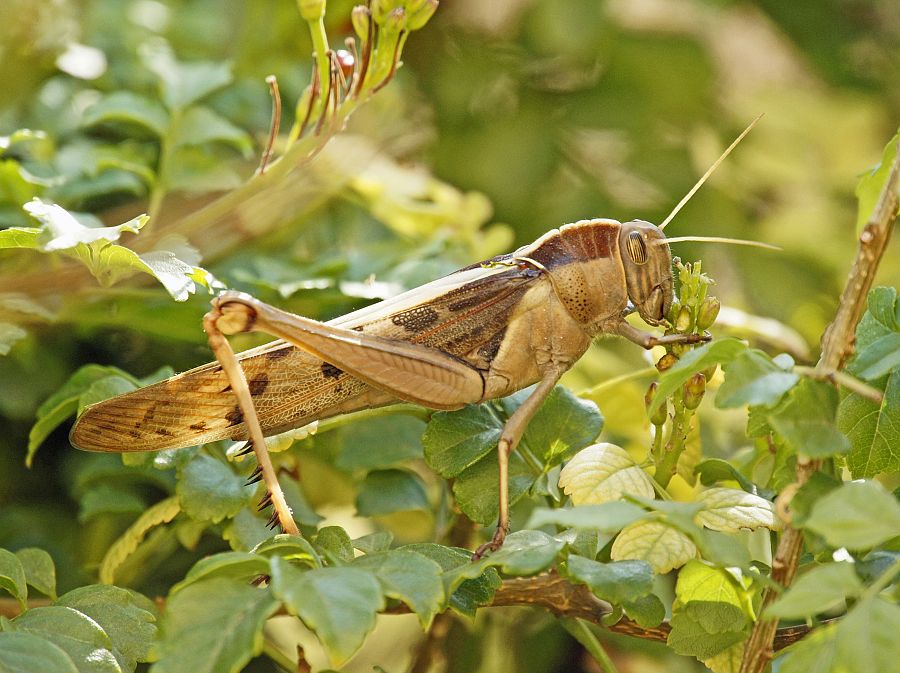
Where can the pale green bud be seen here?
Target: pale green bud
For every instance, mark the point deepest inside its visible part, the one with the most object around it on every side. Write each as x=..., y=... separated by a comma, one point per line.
x=693, y=391
x=708, y=312
x=683, y=320
x=311, y=10
x=359, y=17
x=419, y=17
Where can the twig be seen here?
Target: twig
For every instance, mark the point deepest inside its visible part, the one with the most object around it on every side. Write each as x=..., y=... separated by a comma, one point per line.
x=837, y=346
x=844, y=380
x=580, y=632
x=549, y=591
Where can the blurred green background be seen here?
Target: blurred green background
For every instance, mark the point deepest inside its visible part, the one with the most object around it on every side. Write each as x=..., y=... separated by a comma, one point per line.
x=508, y=118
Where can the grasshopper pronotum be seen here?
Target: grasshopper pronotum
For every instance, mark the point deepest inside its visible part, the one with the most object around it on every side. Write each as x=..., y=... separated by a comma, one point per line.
x=480, y=333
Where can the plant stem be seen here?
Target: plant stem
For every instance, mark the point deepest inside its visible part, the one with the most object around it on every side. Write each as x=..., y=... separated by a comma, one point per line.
x=616, y=380
x=667, y=463
x=883, y=580
x=166, y=151
x=336, y=422
x=580, y=632
x=844, y=380
x=278, y=657
x=323, y=65
x=837, y=345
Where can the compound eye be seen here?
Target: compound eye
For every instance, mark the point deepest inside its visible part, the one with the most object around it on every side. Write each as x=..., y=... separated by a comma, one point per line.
x=636, y=247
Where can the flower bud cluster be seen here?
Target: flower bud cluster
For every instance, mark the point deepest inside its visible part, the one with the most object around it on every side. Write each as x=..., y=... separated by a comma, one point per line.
x=397, y=15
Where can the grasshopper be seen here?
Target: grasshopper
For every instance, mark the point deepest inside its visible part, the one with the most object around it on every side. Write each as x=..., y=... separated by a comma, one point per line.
x=478, y=334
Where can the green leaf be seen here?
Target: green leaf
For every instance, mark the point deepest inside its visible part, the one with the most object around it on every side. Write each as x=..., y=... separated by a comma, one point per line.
x=525, y=552
x=713, y=470
x=869, y=187
x=128, y=108
x=806, y=420
x=465, y=595
x=20, y=237
x=617, y=582
x=246, y=530
x=303, y=512
x=108, y=499
x=183, y=83
x=76, y=634
x=879, y=357
x=290, y=547
x=754, y=379
x=564, y=424
x=338, y=604
x=874, y=430
x=335, y=542
x=179, y=278
x=610, y=517
x=162, y=512
x=200, y=125
x=64, y=403
x=690, y=638
x=726, y=661
x=818, y=590
x=707, y=355
x=62, y=230
x=104, y=389
x=477, y=490
x=732, y=510
x=374, y=542
x=387, y=491
x=128, y=619
x=603, y=473
x=214, y=626
x=209, y=490
x=807, y=495
x=648, y=611
x=12, y=577
x=27, y=653
x=712, y=598
x=40, y=572
x=238, y=565
x=723, y=549
x=109, y=263
x=875, y=564
x=408, y=577
x=813, y=654
x=866, y=638
x=405, y=433
x=857, y=515
x=657, y=543
x=456, y=440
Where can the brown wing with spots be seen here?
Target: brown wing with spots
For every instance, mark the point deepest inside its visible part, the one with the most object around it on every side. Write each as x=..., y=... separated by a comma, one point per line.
x=290, y=387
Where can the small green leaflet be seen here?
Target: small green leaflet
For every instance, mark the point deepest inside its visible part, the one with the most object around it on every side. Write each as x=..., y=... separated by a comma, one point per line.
x=94, y=245
x=873, y=429
x=870, y=184
x=213, y=626
x=338, y=604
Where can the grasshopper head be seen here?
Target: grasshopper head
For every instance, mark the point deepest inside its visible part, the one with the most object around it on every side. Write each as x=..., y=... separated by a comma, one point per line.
x=648, y=269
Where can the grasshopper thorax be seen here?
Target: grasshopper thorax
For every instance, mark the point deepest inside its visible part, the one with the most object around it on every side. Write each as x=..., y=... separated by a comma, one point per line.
x=647, y=262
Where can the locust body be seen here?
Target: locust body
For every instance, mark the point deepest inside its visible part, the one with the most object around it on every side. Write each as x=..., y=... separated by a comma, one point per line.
x=480, y=333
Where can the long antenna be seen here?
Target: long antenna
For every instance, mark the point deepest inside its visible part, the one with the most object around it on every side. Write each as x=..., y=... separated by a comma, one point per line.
x=719, y=239
x=687, y=197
